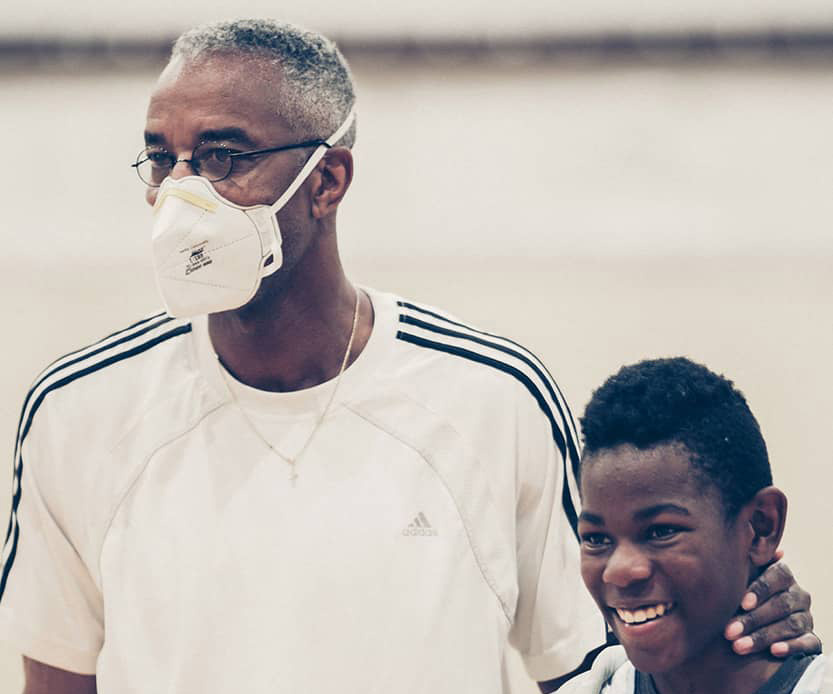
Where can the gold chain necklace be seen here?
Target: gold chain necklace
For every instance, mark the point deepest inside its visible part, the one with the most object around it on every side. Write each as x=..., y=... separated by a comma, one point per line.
x=293, y=460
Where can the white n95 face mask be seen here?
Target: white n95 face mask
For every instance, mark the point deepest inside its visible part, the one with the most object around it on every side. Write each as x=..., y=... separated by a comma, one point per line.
x=210, y=254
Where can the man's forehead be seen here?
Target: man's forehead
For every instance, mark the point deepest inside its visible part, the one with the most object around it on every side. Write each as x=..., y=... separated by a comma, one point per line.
x=230, y=69
x=219, y=92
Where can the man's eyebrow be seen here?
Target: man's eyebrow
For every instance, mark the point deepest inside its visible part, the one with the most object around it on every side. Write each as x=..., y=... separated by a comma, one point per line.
x=591, y=518
x=154, y=138
x=228, y=134
x=651, y=511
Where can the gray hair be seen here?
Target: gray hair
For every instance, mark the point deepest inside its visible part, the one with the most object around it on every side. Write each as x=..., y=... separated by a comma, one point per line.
x=317, y=91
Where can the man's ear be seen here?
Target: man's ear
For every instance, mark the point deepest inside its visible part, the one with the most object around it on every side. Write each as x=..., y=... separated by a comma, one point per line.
x=332, y=178
x=767, y=514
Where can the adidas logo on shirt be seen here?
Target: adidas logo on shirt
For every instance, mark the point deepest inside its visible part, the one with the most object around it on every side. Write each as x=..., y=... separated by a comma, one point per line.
x=420, y=526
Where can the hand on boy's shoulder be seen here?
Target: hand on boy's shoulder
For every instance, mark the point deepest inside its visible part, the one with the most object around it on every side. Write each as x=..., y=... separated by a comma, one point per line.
x=777, y=616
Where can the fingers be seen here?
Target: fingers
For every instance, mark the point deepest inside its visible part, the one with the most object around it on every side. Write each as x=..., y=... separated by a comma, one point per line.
x=795, y=631
x=807, y=643
x=775, y=579
x=778, y=617
x=789, y=609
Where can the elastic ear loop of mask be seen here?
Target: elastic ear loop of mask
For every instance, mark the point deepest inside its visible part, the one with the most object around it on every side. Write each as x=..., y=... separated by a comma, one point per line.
x=315, y=157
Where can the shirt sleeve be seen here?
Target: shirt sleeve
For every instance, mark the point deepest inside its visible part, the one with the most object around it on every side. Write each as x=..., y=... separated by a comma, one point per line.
x=557, y=624
x=50, y=607
x=611, y=662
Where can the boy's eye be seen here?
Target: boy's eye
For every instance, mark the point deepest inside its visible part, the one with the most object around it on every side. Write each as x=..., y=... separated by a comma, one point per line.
x=595, y=541
x=662, y=532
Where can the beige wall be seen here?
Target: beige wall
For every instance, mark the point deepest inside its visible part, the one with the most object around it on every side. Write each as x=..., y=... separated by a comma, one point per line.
x=597, y=215
x=367, y=18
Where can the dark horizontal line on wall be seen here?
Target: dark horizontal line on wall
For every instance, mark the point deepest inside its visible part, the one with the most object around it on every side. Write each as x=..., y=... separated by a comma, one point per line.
x=775, y=45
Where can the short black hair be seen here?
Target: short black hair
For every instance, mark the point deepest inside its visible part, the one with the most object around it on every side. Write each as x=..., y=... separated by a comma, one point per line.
x=667, y=401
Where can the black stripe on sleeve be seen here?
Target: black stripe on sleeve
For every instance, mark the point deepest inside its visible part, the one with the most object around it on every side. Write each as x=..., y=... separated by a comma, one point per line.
x=7, y=567
x=13, y=532
x=563, y=439
x=121, y=356
x=18, y=474
x=566, y=434
x=149, y=324
x=566, y=499
x=107, y=337
x=525, y=355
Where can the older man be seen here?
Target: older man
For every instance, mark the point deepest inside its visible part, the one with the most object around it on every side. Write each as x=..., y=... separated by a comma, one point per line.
x=286, y=483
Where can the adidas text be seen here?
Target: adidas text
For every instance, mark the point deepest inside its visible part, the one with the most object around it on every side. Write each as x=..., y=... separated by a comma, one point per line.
x=420, y=531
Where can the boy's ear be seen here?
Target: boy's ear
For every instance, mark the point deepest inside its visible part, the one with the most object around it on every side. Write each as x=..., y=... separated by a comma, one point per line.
x=767, y=516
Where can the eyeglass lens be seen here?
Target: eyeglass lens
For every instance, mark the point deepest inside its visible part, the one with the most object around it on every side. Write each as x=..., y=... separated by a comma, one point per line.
x=154, y=165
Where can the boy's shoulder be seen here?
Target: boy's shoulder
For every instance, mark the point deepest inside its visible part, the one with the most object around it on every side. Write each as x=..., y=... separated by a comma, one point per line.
x=613, y=673
x=816, y=678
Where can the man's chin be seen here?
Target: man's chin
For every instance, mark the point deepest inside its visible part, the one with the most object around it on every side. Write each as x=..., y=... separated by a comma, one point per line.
x=266, y=301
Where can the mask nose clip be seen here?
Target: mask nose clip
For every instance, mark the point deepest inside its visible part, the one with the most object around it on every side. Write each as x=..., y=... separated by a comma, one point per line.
x=187, y=196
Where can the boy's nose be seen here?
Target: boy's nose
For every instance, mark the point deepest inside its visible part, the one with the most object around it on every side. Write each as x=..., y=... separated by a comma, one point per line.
x=626, y=565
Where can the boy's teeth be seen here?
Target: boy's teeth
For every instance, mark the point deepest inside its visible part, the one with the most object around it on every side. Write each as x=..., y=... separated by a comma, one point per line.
x=643, y=614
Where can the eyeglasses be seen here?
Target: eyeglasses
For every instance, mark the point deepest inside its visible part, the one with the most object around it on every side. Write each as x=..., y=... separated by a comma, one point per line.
x=154, y=164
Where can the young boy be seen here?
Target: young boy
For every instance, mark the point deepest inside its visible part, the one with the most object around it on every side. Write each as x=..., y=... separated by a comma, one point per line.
x=679, y=514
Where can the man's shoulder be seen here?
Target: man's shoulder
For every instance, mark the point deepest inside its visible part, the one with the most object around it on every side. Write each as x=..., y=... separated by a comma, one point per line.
x=455, y=368
x=107, y=380
x=433, y=341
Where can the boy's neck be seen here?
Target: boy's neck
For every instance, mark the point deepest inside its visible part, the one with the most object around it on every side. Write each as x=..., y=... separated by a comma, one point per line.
x=719, y=671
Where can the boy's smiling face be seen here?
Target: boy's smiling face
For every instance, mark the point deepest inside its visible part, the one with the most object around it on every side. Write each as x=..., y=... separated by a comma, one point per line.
x=658, y=555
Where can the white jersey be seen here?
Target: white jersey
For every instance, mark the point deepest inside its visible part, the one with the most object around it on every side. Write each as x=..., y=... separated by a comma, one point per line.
x=158, y=542
x=613, y=673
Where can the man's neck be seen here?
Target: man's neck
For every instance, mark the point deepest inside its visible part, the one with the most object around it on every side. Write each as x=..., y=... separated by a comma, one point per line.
x=718, y=671
x=294, y=338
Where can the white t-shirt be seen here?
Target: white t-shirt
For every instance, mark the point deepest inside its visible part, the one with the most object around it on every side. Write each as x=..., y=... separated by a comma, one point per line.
x=613, y=673
x=157, y=542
